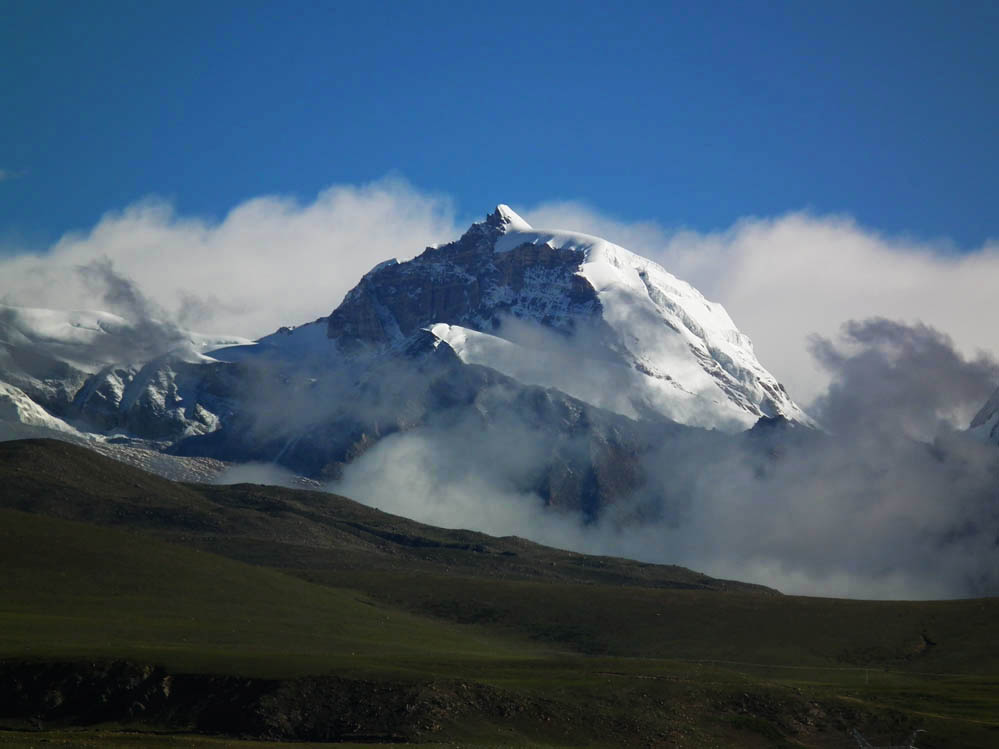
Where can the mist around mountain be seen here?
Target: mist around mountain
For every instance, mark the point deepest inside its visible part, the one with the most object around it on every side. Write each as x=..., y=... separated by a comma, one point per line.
x=554, y=385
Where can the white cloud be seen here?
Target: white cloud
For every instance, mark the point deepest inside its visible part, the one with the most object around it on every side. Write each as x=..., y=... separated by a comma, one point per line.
x=784, y=279
x=272, y=261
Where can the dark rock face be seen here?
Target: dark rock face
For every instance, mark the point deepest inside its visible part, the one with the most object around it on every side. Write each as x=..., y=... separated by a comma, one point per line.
x=465, y=283
x=305, y=709
x=99, y=400
x=321, y=708
x=80, y=693
x=166, y=399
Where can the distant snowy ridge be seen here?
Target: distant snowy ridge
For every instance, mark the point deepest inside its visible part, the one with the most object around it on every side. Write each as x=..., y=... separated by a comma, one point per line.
x=60, y=367
x=16, y=407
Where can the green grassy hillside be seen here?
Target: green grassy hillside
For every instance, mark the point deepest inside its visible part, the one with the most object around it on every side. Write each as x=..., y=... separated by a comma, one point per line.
x=928, y=636
x=74, y=590
x=299, y=615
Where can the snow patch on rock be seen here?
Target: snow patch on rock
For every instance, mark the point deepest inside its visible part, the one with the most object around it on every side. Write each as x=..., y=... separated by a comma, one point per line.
x=985, y=425
x=17, y=407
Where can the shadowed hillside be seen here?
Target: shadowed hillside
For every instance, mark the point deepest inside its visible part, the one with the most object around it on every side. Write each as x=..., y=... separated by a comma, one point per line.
x=293, y=528
x=332, y=621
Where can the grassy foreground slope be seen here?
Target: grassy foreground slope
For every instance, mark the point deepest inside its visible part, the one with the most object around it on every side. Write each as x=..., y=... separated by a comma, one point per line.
x=71, y=590
x=333, y=621
x=217, y=646
x=559, y=599
x=913, y=636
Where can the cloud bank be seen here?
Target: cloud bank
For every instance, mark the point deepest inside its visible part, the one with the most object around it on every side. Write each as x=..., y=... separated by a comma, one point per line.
x=271, y=261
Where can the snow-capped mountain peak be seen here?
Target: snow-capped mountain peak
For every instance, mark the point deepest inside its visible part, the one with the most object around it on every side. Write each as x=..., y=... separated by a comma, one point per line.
x=509, y=220
x=641, y=341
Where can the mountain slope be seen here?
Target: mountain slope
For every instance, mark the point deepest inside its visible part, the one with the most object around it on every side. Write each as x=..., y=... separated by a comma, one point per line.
x=103, y=371
x=16, y=408
x=596, y=604
x=72, y=589
x=422, y=634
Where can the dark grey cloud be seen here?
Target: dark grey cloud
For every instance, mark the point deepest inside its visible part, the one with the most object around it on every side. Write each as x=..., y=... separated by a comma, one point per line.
x=889, y=376
x=149, y=331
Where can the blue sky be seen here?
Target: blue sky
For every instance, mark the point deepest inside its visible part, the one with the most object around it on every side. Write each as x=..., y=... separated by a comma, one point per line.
x=693, y=114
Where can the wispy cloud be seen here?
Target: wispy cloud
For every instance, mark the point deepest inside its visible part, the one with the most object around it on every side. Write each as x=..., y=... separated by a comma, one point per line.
x=275, y=261
x=9, y=174
x=271, y=261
